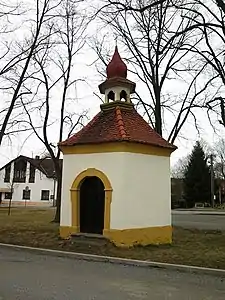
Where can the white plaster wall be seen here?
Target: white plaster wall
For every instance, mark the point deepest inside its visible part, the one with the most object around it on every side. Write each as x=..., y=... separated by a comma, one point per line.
x=141, y=187
x=41, y=183
x=145, y=199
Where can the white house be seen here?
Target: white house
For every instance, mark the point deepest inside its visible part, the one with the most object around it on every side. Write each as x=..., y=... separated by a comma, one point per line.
x=28, y=181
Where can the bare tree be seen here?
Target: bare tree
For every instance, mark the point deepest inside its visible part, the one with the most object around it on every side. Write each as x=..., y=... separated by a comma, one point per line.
x=54, y=83
x=219, y=151
x=209, y=22
x=179, y=168
x=11, y=186
x=157, y=57
x=130, y=5
x=16, y=58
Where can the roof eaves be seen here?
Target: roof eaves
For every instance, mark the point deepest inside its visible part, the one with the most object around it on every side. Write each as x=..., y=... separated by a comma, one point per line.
x=126, y=140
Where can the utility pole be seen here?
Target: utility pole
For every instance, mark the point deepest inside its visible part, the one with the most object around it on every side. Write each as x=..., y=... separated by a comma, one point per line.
x=212, y=180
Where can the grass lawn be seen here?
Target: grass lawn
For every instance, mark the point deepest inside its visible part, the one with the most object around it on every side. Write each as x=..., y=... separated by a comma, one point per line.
x=33, y=227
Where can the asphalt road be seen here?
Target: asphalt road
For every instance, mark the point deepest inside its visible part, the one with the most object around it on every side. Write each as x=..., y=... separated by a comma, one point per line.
x=31, y=276
x=211, y=222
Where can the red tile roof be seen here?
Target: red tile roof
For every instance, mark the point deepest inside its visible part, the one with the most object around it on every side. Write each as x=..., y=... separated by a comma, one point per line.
x=117, y=124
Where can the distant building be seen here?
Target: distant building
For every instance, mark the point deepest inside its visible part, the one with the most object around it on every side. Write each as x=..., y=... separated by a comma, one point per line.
x=27, y=181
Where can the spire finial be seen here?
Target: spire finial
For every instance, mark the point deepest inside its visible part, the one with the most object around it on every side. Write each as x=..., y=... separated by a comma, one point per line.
x=116, y=67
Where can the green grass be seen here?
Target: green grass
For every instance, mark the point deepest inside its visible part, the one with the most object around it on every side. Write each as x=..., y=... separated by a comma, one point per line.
x=33, y=227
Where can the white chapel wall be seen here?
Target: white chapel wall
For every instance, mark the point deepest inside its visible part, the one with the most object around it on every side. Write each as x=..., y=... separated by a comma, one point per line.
x=145, y=198
x=141, y=187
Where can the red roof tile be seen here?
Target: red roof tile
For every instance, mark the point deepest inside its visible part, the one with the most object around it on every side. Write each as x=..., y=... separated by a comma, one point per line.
x=116, y=125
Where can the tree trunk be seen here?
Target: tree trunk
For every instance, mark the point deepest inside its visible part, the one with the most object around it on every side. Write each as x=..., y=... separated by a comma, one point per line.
x=158, y=113
x=58, y=194
x=10, y=201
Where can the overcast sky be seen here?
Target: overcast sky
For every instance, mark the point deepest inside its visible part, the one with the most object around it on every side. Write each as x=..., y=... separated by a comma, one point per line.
x=84, y=99
x=87, y=100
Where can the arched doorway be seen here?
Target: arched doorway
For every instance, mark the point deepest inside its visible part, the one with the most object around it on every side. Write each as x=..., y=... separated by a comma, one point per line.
x=92, y=205
x=75, y=198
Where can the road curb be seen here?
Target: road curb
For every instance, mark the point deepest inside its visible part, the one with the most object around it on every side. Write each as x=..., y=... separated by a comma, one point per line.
x=196, y=212
x=117, y=260
x=207, y=214
x=199, y=213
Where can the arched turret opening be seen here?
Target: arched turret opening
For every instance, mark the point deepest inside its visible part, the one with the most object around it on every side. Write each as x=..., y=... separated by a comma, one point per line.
x=111, y=96
x=123, y=96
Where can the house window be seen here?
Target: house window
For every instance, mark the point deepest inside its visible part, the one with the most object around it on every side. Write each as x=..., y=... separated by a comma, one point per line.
x=32, y=174
x=45, y=194
x=8, y=195
x=26, y=194
x=7, y=173
x=20, y=167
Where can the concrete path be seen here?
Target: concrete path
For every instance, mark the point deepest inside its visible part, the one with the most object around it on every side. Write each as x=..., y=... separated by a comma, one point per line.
x=29, y=276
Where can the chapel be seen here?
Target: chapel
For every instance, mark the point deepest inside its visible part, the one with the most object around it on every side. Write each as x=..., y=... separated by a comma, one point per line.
x=116, y=172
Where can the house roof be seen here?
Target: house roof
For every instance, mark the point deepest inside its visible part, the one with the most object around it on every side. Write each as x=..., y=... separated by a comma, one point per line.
x=117, y=124
x=45, y=165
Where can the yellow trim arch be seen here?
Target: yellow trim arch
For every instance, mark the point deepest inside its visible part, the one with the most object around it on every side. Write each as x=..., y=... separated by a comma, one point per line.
x=75, y=198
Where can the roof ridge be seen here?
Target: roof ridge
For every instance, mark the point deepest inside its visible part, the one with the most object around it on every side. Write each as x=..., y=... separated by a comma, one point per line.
x=120, y=123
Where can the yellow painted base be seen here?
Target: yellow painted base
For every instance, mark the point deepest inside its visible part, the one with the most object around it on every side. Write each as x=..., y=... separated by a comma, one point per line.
x=140, y=236
x=130, y=237
x=66, y=231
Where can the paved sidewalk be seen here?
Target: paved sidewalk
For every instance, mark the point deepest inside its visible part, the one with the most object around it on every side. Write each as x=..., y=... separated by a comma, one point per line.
x=29, y=276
